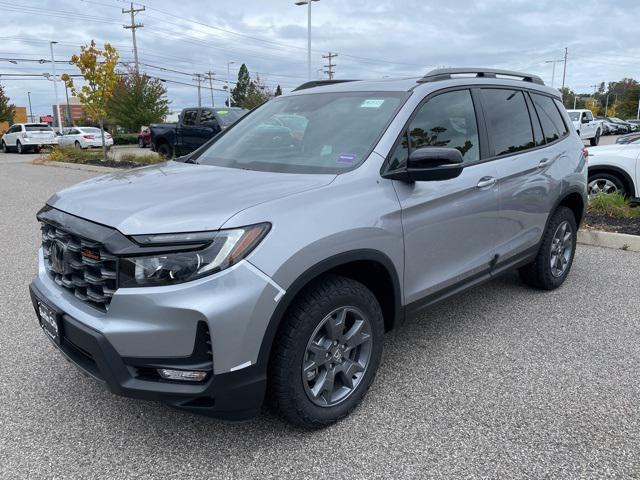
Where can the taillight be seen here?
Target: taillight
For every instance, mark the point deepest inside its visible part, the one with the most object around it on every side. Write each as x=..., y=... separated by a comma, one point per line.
x=585, y=154
x=24, y=135
x=89, y=137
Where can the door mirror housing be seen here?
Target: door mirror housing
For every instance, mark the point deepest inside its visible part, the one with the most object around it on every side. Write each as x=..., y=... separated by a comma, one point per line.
x=429, y=164
x=585, y=120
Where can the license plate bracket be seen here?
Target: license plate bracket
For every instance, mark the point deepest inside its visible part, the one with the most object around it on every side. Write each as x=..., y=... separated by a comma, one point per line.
x=50, y=322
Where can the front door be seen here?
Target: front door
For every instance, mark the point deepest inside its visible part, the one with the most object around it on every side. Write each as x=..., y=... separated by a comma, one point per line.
x=449, y=226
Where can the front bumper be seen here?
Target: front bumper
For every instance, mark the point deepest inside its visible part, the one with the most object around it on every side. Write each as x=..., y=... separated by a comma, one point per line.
x=146, y=328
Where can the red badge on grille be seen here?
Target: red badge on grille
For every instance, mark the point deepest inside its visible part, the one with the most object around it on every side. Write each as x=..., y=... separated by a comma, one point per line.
x=90, y=254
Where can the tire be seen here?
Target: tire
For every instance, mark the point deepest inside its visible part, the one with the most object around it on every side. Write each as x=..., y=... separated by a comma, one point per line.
x=19, y=148
x=310, y=318
x=553, y=262
x=595, y=140
x=165, y=151
x=77, y=145
x=141, y=143
x=5, y=149
x=605, y=183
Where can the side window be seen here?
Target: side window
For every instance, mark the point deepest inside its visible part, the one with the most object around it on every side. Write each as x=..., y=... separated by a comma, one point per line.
x=189, y=117
x=590, y=116
x=446, y=120
x=508, y=122
x=208, y=117
x=552, y=124
x=538, y=136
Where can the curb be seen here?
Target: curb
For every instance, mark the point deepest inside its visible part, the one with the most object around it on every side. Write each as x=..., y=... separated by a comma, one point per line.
x=80, y=166
x=620, y=241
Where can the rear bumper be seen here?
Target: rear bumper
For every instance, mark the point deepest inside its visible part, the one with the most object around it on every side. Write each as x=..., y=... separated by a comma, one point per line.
x=235, y=395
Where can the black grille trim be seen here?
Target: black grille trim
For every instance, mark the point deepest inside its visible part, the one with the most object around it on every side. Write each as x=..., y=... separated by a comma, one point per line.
x=90, y=272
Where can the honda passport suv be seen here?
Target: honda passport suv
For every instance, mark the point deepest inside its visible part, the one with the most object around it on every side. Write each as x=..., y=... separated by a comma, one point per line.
x=270, y=262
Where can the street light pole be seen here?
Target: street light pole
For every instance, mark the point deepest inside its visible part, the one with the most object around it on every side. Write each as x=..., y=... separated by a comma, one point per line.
x=308, y=4
x=553, y=70
x=228, y=86
x=55, y=87
x=30, y=111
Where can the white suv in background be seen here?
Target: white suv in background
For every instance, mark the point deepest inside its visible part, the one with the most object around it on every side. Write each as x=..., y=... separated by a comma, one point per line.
x=588, y=128
x=23, y=137
x=84, y=137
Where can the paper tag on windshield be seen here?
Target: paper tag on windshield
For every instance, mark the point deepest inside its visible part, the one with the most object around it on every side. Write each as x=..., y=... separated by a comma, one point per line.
x=372, y=103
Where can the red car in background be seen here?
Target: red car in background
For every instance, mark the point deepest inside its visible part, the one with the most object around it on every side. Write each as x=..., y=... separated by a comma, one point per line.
x=144, y=137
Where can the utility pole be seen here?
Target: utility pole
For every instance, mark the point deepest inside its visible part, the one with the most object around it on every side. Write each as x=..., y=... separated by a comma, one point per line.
x=606, y=108
x=30, y=111
x=199, y=78
x=55, y=88
x=133, y=28
x=228, y=86
x=564, y=69
x=329, y=67
x=210, y=77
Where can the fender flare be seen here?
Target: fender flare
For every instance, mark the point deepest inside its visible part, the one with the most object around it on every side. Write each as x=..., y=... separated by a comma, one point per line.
x=313, y=272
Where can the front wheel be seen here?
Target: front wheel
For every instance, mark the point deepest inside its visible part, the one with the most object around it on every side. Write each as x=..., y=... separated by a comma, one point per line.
x=555, y=255
x=5, y=149
x=165, y=151
x=595, y=140
x=141, y=143
x=327, y=352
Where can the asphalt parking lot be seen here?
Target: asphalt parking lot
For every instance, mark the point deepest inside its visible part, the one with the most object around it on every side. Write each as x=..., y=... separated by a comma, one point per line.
x=499, y=382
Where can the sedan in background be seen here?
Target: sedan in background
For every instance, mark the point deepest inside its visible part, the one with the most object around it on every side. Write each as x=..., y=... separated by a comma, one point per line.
x=615, y=168
x=628, y=138
x=84, y=137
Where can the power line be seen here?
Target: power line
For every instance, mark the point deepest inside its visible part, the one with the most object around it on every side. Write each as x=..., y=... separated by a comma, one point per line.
x=133, y=27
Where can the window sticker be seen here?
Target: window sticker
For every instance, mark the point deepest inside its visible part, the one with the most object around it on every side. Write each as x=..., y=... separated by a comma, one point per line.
x=372, y=103
x=346, y=158
x=223, y=112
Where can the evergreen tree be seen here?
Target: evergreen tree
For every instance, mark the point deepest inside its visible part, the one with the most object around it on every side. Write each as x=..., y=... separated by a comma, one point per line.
x=240, y=91
x=278, y=91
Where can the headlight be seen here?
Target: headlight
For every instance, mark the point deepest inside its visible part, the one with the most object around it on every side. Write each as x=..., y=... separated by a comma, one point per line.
x=212, y=252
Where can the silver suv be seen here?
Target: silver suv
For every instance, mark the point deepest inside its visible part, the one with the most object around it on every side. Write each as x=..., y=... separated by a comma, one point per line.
x=273, y=259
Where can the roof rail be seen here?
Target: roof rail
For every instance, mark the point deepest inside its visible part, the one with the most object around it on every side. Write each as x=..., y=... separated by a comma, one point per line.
x=447, y=73
x=319, y=83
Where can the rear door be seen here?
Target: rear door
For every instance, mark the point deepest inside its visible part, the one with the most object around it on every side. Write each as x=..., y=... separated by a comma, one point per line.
x=525, y=133
x=449, y=225
x=11, y=137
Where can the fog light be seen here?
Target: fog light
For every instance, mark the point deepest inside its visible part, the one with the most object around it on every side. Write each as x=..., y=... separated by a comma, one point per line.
x=182, y=375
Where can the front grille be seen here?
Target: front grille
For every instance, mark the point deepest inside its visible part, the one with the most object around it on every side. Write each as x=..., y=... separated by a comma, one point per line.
x=80, y=265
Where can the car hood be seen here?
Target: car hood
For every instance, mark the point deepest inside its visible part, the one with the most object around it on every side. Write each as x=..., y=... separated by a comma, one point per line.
x=176, y=197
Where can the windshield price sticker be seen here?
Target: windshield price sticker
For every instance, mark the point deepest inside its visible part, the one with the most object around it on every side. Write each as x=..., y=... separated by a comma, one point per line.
x=372, y=103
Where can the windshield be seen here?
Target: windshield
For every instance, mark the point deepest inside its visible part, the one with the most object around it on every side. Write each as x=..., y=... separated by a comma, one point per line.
x=229, y=115
x=575, y=116
x=312, y=133
x=38, y=128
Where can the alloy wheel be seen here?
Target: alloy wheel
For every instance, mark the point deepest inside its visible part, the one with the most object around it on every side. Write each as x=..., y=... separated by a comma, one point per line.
x=561, y=249
x=337, y=356
x=601, y=185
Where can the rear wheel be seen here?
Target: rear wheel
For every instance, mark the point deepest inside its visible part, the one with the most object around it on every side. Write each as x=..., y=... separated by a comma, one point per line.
x=327, y=352
x=555, y=255
x=165, y=151
x=19, y=148
x=141, y=143
x=595, y=140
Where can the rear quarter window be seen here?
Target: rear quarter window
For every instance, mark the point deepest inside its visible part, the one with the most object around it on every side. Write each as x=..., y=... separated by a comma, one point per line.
x=553, y=125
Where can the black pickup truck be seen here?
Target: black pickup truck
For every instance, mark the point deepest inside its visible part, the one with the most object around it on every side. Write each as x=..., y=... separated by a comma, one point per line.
x=195, y=126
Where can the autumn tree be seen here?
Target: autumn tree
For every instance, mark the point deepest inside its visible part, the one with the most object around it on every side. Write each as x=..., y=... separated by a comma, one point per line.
x=98, y=68
x=257, y=94
x=138, y=100
x=7, y=110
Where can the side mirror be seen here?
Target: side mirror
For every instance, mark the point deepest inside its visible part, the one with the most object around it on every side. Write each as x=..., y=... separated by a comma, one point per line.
x=585, y=120
x=430, y=163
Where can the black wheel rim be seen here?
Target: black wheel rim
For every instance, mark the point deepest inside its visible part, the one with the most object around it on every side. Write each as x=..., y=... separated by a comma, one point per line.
x=561, y=249
x=337, y=356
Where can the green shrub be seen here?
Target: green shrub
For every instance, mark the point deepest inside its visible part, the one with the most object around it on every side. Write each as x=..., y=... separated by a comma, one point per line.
x=144, y=159
x=73, y=155
x=612, y=204
x=125, y=139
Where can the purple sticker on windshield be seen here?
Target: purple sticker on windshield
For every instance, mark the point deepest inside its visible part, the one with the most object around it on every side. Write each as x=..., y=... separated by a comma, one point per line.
x=346, y=158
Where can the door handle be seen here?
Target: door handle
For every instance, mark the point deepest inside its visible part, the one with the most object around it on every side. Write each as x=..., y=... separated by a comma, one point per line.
x=485, y=182
x=545, y=162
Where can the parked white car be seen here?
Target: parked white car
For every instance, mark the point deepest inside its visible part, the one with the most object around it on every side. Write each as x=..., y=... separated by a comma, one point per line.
x=84, y=137
x=588, y=128
x=24, y=137
x=615, y=168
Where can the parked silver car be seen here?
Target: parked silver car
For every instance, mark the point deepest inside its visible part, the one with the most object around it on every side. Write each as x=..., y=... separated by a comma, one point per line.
x=272, y=260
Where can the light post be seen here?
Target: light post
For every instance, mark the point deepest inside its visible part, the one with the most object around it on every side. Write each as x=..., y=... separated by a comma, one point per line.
x=228, y=87
x=30, y=111
x=308, y=3
x=553, y=70
x=55, y=87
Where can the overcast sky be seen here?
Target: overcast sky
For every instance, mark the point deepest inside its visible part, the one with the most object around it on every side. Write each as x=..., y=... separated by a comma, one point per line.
x=373, y=39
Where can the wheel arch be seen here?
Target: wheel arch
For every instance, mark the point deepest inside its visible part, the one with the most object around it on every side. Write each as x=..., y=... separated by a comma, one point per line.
x=617, y=171
x=372, y=268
